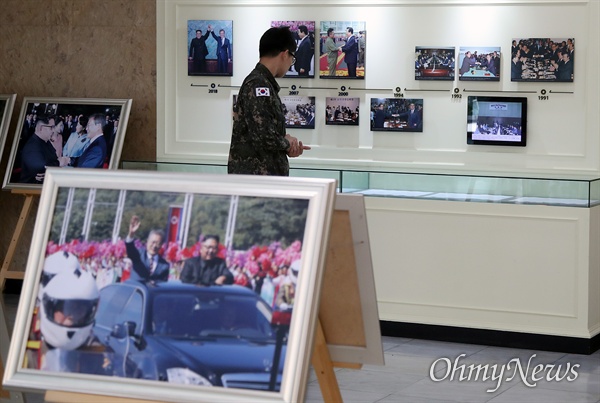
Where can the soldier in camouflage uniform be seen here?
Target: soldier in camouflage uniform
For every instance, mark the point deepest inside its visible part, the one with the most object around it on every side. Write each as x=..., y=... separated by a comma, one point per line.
x=259, y=143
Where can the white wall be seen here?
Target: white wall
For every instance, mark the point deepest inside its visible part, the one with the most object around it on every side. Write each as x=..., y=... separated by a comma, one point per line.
x=563, y=137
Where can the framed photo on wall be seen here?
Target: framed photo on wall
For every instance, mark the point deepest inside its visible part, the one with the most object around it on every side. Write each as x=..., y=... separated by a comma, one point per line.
x=342, y=111
x=304, y=33
x=114, y=322
x=342, y=49
x=542, y=59
x=67, y=133
x=479, y=63
x=434, y=63
x=396, y=114
x=7, y=104
x=299, y=112
x=210, y=47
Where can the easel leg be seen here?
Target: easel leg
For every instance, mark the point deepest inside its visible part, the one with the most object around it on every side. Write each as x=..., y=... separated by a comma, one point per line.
x=4, y=273
x=323, y=366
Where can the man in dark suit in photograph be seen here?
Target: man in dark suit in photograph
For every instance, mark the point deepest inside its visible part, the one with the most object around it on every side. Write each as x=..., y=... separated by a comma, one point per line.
x=38, y=153
x=351, y=51
x=304, y=53
x=198, y=51
x=147, y=263
x=223, y=51
x=207, y=269
x=95, y=154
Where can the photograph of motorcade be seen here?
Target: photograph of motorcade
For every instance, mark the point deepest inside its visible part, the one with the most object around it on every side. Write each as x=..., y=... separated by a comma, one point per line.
x=172, y=288
x=434, y=63
x=396, y=114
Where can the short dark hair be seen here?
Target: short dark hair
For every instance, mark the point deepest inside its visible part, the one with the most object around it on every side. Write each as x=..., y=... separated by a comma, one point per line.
x=302, y=28
x=198, y=30
x=212, y=236
x=98, y=119
x=329, y=31
x=42, y=120
x=349, y=29
x=276, y=40
x=83, y=120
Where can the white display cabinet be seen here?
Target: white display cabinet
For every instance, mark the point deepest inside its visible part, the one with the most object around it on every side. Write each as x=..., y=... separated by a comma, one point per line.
x=513, y=254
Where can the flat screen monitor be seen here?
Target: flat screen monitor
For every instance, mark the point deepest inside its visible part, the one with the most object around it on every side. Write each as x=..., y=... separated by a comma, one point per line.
x=497, y=121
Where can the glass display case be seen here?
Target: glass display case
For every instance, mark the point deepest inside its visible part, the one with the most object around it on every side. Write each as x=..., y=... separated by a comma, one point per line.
x=571, y=191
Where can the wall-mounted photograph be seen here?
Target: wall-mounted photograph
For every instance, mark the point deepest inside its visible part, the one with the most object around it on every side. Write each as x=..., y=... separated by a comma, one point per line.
x=434, y=63
x=479, y=63
x=299, y=112
x=342, y=49
x=542, y=59
x=396, y=114
x=185, y=287
x=342, y=111
x=209, y=47
x=7, y=104
x=304, y=33
x=67, y=133
x=497, y=121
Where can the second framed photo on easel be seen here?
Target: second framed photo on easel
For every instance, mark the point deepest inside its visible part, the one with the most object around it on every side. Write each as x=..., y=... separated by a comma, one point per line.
x=66, y=133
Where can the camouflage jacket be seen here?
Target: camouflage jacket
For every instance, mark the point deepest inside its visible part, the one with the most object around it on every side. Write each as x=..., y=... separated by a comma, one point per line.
x=258, y=143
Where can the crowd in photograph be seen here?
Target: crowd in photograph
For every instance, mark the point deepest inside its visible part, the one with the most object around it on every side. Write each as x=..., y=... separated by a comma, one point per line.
x=269, y=270
x=494, y=127
x=542, y=59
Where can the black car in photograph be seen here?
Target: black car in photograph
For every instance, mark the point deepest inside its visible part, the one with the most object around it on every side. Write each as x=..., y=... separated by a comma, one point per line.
x=188, y=334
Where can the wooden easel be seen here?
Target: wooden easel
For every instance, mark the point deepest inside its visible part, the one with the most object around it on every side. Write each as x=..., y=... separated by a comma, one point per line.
x=4, y=271
x=339, y=322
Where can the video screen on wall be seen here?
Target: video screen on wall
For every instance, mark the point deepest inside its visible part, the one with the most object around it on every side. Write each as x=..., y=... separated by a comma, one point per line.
x=479, y=63
x=396, y=114
x=497, y=121
x=434, y=63
x=299, y=112
x=542, y=59
x=341, y=111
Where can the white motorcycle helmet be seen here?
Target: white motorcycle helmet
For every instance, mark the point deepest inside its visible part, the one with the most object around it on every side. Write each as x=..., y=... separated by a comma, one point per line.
x=68, y=308
x=56, y=263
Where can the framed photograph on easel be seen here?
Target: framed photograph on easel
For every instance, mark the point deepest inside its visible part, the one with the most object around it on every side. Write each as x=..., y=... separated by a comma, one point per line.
x=66, y=133
x=150, y=305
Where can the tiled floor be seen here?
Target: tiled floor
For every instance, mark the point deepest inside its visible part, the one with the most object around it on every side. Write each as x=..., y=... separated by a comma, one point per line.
x=406, y=377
